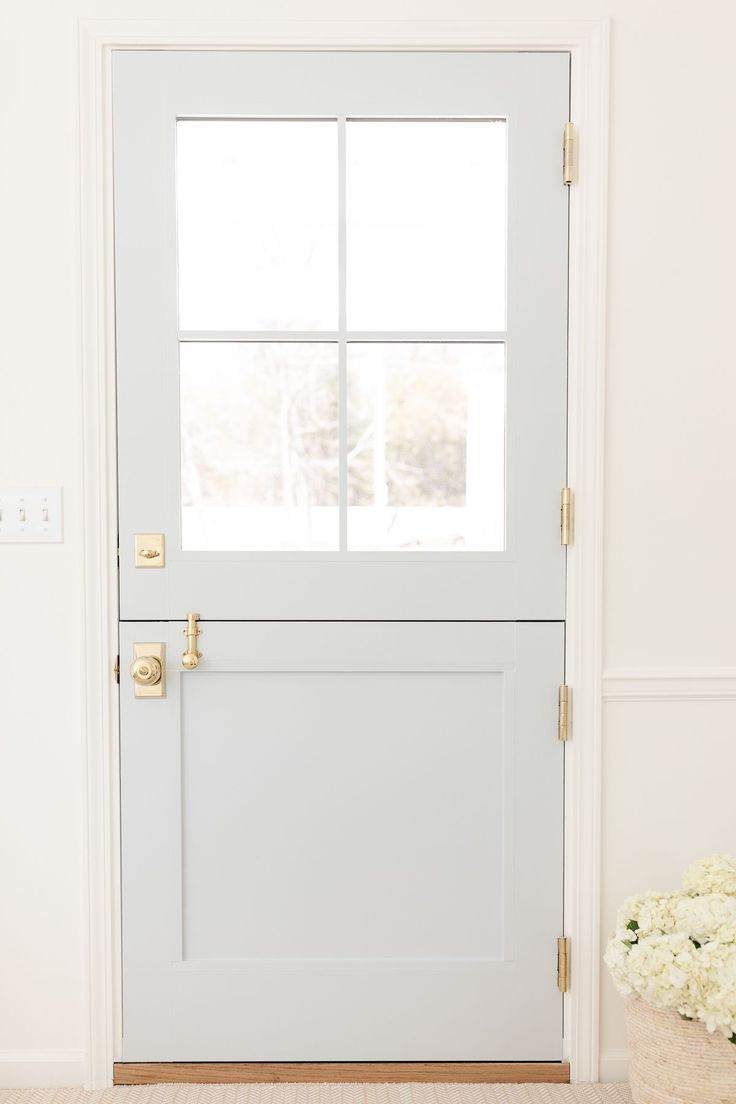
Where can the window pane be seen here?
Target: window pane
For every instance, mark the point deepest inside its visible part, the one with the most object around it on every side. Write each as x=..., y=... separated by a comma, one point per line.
x=426, y=225
x=259, y=443
x=257, y=224
x=426, y=446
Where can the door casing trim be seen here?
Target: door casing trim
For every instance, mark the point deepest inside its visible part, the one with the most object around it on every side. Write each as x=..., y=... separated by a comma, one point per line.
x=587, y=41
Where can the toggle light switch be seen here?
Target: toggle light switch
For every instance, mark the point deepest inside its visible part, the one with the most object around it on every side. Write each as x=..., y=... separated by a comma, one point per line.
x=31, y=515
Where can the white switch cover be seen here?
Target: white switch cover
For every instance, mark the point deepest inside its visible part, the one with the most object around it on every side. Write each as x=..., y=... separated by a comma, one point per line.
x=30, y=515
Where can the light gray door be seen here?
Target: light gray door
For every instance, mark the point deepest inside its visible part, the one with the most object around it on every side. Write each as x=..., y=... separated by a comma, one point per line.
x=342, y=327
x=343, y=841
x=341, y=319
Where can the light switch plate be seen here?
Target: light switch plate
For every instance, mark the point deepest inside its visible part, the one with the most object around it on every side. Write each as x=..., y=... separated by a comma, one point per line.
x=30, y=515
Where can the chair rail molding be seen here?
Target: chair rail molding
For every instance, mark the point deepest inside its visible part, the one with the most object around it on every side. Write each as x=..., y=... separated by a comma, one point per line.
x=587, y=43
x=670, y=684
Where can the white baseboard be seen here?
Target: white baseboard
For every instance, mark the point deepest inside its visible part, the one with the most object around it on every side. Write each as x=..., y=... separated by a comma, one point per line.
x=614, y=1065
x=31, y=1069
x=38, y=1069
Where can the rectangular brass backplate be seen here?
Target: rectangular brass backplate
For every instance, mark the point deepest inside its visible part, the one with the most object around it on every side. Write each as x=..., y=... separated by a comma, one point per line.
x=158, y=689
x=150, y=550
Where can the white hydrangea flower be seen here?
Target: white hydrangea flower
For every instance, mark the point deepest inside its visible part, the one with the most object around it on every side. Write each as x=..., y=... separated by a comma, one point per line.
x=628, y=914
x=658, y=913
x=712, y=988
x=710, y=916
x=659, y=968
x=714, y=875
x=617, y=961
x=644, y=915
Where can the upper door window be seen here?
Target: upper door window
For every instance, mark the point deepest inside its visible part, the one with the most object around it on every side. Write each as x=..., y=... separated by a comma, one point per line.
x=342, y=312
x=257, y=207
x=426, y=225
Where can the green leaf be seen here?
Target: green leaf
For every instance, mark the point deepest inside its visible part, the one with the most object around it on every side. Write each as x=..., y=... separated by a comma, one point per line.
x=632, y=925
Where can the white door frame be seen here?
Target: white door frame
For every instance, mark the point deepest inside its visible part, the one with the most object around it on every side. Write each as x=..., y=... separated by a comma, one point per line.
x=587, y=43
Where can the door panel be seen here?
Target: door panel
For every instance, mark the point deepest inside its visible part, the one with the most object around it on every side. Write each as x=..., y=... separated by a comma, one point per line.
x=341, y=841
x=341, y=333
x=341, y=344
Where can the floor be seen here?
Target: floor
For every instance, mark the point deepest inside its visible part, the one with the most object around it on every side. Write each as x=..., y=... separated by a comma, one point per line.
x=327, y=1094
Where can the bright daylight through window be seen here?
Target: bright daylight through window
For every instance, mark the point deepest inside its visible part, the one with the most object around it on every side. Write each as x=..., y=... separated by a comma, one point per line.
x=342, y=313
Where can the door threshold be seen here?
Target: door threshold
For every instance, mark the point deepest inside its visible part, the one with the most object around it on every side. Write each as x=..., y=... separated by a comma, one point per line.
x=224, y=1073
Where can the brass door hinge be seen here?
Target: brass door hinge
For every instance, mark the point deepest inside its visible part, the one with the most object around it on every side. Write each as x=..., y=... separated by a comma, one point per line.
x=563, y=964
x=116, y=669
x=564, y=712
x=566, y=518
x=568, y=154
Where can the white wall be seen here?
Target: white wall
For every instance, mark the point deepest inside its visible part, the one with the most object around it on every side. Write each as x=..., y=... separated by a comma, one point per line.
x=671, y=453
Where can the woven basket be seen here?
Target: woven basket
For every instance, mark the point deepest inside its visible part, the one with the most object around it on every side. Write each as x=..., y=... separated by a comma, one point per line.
x=674, y=1061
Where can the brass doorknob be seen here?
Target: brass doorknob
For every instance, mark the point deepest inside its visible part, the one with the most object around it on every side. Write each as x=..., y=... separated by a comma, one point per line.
x=146, y=670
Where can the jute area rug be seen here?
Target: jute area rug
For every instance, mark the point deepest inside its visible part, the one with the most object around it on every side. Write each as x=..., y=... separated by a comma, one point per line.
x=327, y=1094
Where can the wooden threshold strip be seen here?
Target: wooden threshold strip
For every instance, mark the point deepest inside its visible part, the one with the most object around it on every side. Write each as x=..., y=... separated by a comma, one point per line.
x=225, y=1073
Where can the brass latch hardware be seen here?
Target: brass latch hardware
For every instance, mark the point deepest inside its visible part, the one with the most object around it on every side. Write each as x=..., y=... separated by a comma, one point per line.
x=563, y=964
x=568, y=154
x=566, y=516
x=150, y=550
x=148, y=670
x=116, y=669
x=190, y=657
x=564, y=712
